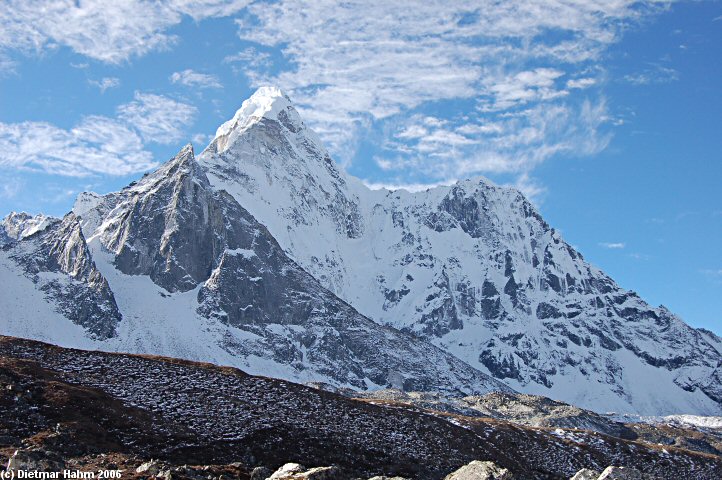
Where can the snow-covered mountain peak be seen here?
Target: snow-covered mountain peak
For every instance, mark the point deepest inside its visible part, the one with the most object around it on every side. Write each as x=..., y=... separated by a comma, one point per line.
x=266, y=102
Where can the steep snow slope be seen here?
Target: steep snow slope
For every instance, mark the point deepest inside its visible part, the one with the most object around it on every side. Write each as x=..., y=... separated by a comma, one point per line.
x=472, y=267
x=172, y=267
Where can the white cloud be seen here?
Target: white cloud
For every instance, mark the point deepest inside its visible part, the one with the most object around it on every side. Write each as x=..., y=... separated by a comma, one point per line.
x=158, y=118
x=105, y=83
x=190, y=78
x=613, y=245
x=512, y=143
x=581, y=83
x=111, y=32
x=201, y=139
x=98, y=144
x=524, y=87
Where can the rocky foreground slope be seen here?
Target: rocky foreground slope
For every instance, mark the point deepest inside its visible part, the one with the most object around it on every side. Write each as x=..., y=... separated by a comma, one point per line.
x=83, y=409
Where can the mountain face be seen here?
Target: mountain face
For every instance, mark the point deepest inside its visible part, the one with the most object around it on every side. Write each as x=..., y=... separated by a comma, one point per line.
x=191, y=273
x=472, y=267
x=262, y=254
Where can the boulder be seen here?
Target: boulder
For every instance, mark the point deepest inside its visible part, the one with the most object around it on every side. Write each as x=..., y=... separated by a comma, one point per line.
x=478, y=470
x=585, y=474
x=150, y=468
x=261, y=473
x=294, y=471
x=35, y=460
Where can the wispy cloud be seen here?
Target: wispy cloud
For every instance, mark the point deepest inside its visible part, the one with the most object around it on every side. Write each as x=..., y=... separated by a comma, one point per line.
x=410, y=187
x=191, y=78
x=11, y=186
x=98, y=144
x=158, y=118
x=7, y=66
x=581, y=83
x=531, y=188
x=713, y=274
x=111, y=32
x=656, y=74
x=613, y=245
x=105, y=83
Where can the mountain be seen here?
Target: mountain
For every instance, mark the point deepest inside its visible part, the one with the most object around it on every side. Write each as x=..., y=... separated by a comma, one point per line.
x=87, y=410
x=170, y=266
x=263, y=254
x=472, y=267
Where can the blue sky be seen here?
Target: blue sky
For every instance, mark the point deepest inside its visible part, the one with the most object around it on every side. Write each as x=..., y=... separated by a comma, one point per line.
x=606, y=114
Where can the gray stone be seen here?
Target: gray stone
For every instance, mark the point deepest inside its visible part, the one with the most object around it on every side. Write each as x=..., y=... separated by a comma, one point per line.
x=151, y=467
x=261, y=473
x=35, y=460
x=585, y=474
x=478, y=470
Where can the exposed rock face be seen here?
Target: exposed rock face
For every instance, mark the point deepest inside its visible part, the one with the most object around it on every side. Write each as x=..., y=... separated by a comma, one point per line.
x=167, y=226
x=472, y=266
x=59, y=264
x=478, y=470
